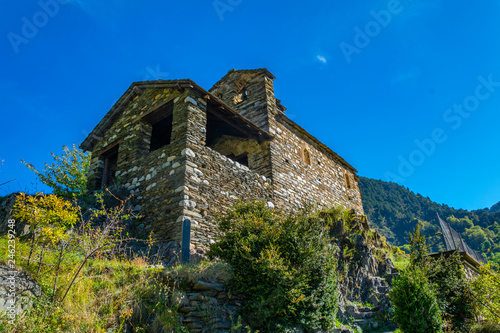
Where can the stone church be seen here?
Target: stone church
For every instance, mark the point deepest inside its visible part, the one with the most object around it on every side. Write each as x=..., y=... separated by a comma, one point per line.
x=185, y=152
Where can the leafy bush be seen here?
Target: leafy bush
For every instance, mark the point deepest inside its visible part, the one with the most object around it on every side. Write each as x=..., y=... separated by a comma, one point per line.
x=416, y=307
x=284, y=265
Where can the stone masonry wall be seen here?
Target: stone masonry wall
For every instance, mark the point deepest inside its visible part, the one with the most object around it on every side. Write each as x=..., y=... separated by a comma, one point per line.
x=324, y=180
x=184, y=179
x=153, y=177
x=214, y=182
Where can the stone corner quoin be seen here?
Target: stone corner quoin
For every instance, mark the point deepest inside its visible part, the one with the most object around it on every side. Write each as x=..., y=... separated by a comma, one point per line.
x=185, y=152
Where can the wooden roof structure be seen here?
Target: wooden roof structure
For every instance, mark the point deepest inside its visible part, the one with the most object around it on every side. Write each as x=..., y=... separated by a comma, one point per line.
x=454, y=242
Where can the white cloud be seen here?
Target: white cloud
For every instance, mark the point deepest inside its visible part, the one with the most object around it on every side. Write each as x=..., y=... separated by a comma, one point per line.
x=412, y=73
x=321, y=58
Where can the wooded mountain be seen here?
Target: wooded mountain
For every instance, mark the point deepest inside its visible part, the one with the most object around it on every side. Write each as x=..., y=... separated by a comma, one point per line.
x=495, y=208
x=395, y=210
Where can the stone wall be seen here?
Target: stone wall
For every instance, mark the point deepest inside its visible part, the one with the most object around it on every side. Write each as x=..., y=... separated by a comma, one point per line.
x=303, y=169
x=303, y=173
x=153, y=177
x=184, y=179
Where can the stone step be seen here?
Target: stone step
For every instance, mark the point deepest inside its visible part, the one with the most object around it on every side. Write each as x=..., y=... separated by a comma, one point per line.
x=364, y=309
x=383, y=290
x=364, y=315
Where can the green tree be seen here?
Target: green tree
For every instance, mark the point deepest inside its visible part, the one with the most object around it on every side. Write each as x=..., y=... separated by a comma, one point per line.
x=431, y=279
x=418, y=247
x=67, y=175
x=416, y=307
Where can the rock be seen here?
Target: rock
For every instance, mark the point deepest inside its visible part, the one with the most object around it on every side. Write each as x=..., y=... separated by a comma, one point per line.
x=187, y=309
x=201, y=285
x=24, y=287
x=188, y=152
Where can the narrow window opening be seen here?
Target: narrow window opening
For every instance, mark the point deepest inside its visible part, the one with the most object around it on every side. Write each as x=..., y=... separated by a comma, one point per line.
x=347, y=181
x=161, y=133
x=110, y=159
x=307, y=157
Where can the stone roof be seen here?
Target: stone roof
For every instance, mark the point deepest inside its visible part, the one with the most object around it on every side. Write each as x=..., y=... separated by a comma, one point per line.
x=136, y=88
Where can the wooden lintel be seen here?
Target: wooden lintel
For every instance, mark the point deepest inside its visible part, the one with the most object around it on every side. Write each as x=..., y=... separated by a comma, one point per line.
x=109, y=147
x=164, y=108
x=179, y=87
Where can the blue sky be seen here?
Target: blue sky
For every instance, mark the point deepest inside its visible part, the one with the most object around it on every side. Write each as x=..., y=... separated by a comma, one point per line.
x=403, y=90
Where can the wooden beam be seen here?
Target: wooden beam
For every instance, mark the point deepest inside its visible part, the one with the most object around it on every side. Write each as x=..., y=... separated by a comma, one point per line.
x=234, y=124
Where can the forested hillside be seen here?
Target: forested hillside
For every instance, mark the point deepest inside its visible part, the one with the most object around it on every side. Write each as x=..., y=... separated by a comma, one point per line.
x=395, y=210
x=495, y=208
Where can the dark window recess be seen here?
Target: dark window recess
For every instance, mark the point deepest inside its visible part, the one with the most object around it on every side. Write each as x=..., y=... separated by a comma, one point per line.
x=217, y=127
x=241, y=159
x=110, y=159
x=347, y=181
x=162, y=131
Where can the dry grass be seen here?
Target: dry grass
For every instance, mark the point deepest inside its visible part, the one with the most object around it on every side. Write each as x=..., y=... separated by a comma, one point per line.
x=109, y=294
x=209, y=271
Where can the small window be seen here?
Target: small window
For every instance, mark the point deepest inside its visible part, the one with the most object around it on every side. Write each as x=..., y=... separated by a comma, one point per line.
x=161, y=120
x=161, y=133
x=347, y=181
x=110, y=159
x=307, y=157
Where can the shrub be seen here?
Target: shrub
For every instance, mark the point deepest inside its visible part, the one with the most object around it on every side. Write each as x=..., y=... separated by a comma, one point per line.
x=284, y=266
x=416, y=307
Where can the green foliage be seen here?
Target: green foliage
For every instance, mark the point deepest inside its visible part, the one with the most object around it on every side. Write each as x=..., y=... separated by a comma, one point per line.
x=67, y=175
x=49, y=216
x=419, y=249
x=86, y=286
x=395, y=211
x=486, y=288
x=284, y=266
x=442, y=278
x=110, y=294
x=416, y=307
x=495, y=208
x=51, y=221
x=455, y=296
